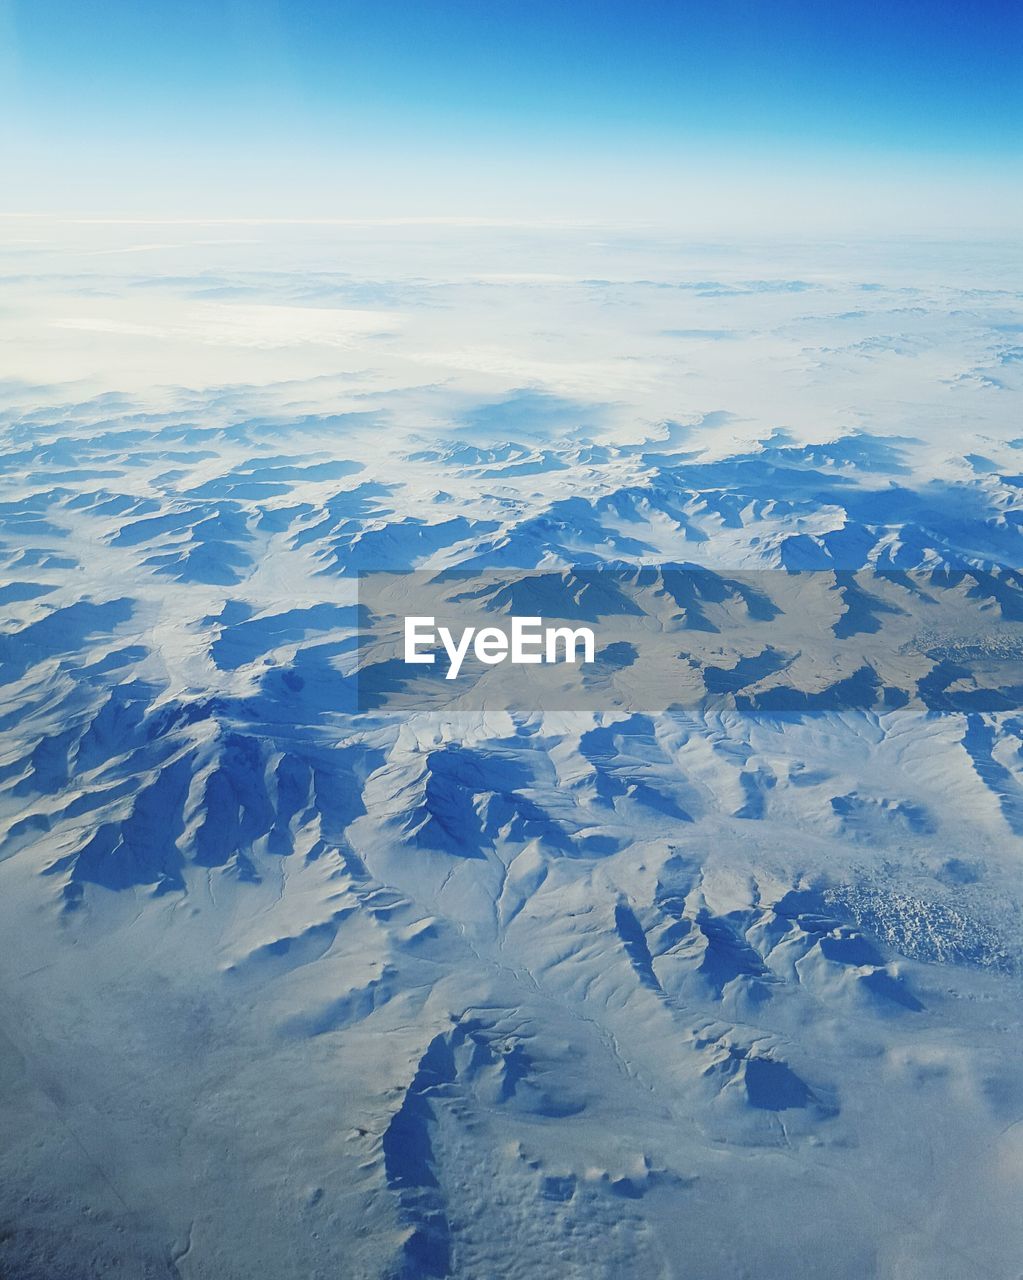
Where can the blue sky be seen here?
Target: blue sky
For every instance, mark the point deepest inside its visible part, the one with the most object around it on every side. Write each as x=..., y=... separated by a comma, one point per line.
x=555, y=107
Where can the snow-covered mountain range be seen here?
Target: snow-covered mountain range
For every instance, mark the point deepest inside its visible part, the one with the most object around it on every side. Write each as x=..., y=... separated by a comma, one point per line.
x=290, y=989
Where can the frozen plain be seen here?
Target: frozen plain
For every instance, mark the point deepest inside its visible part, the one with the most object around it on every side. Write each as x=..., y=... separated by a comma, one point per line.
x=286, y=992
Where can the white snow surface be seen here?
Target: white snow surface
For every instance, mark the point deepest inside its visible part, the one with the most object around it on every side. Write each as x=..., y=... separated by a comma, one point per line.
x=291, y=992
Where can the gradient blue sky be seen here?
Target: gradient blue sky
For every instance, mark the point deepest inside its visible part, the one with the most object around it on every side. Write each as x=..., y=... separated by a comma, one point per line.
x=559, y=108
